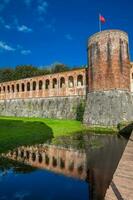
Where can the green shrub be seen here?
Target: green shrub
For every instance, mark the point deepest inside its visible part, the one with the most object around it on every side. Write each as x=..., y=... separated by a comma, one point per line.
x=80, y=111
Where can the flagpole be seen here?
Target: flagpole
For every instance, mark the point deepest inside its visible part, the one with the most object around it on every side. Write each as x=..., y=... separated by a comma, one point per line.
x=100, y=26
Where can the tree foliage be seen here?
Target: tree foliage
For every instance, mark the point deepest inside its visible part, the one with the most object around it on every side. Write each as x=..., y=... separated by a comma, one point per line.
x=27, y=71
x=59, y=68
x=6, y=74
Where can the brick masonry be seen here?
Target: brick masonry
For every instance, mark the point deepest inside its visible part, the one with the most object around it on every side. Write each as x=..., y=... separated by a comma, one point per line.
x=109, y=65
x=70, y=83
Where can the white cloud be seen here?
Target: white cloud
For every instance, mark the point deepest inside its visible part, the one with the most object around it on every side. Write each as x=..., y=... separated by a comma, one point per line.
x=68, y=37
x=21, y=195
x=25, y=52
x=7, y=26
x=28, y=2
x=6, y=47
x=24, y=28
x=42, y=7
x=2, y=21
x=15, y=25
x=21, y=28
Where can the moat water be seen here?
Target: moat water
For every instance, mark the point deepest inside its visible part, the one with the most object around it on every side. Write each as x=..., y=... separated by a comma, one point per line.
x=81, y=168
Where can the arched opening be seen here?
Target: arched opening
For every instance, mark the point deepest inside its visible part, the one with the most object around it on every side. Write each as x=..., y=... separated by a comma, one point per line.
x=27, y=155
x=54, y=162
x=16, y=153
x=71, y=166
x=40, y=158
x=23, y=87
x=28, y=86
x=17, y=87
x=46, y=159
x=79, y=80
x=4, y=88
x=8, y=88
x=54, y=83
x=62, y=82
x=80, y=169
x=22, y=154
x=47, y=83
x=40, y=85
x=70, y=82
x=12, y=88
x=33, y=157
x=62, y=163
x=34, y=85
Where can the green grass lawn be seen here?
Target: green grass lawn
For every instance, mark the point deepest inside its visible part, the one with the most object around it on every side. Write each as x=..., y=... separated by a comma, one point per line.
x=28, y=131
x=17, y=131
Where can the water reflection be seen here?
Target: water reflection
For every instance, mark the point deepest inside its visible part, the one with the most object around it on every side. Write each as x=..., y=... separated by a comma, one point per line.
x=69, y=162
x=103, y=153
x=41, y=184
x=87, y=157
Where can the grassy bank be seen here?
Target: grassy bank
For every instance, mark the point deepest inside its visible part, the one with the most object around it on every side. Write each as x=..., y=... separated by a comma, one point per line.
x=16, y=131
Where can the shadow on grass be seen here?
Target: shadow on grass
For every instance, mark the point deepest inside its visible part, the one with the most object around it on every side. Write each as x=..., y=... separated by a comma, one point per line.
x=15, y=133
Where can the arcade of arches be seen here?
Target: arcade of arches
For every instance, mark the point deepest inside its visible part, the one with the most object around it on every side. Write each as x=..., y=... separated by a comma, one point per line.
x=60, y=84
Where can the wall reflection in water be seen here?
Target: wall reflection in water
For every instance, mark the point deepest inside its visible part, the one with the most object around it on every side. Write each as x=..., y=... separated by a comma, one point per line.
x=69, y=162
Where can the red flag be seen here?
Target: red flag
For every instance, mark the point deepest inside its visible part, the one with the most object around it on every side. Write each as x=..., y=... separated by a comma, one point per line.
x=102, y=19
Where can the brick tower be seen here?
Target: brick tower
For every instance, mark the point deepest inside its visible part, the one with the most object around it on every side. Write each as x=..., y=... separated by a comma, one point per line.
x=109, y=65
x=109, y=100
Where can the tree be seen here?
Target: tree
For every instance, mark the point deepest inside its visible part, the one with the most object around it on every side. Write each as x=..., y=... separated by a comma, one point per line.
x=59, y=67
x=25, y=71
x=6, y=74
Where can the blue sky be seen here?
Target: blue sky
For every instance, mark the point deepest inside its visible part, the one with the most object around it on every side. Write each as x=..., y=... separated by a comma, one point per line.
x=41, y=32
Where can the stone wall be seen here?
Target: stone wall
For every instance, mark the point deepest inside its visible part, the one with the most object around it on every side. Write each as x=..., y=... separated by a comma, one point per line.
x=56, y=107
x=108, y=107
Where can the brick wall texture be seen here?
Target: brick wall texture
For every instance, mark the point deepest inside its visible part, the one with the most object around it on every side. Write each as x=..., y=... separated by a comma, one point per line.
x=109, y=64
